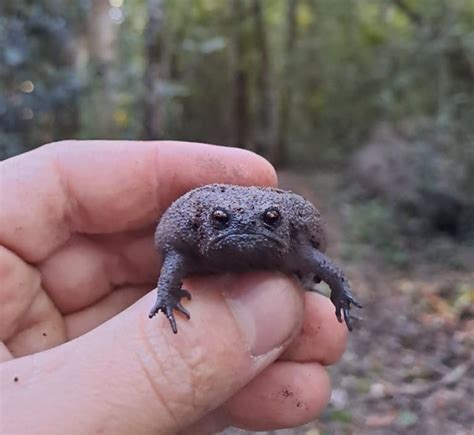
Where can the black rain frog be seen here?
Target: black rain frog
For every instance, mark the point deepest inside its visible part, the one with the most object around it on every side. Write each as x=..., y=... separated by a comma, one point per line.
x=222, y=228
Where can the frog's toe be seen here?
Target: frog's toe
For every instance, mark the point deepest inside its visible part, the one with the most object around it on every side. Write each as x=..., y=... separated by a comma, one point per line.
x=169, y=302
x=343, y=302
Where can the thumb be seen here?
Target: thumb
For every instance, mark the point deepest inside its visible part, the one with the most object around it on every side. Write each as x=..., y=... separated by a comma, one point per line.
x=133, y=375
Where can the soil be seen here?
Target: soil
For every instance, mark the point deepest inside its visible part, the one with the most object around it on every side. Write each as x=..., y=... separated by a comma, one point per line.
x=409, y=365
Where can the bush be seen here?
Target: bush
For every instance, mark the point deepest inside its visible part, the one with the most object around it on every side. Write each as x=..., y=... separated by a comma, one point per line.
x=373, y=231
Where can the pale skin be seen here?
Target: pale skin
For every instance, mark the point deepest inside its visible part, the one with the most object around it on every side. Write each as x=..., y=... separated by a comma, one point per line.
x=77, y=270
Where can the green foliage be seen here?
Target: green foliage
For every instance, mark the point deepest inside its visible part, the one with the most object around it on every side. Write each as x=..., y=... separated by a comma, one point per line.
x=443, y=251
x=406, y=419
x=356, y=62
x=340, y=416
x=384, y=231
x=371, y=61
x=373, y=230
x=37, y=82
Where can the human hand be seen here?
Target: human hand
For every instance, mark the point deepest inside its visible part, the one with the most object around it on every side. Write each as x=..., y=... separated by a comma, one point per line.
x=77, y=263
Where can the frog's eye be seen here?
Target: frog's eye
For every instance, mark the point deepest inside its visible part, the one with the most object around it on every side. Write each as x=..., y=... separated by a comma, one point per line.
x=271, y=217
x=220, y=218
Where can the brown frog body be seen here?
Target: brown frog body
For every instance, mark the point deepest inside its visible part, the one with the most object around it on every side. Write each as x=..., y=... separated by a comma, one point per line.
x=222, y=228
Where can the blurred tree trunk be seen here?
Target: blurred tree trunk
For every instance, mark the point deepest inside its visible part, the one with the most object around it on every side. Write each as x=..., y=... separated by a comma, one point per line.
x=63, y=54
x=174, y=43
x=240, y=77
x=265, y=104
x=280, y=155
x=154, y=43
x=102, y=47
x=66, y=119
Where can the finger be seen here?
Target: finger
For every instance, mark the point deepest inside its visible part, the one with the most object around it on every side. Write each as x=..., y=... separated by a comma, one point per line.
x=107, y=186
x=5, y=354
x=83, y=321
x=286, y=394
x=29, y=321
x=20, y=284
x=87, y=269
x=322, y=338
x=41, y=327
x=132, y=374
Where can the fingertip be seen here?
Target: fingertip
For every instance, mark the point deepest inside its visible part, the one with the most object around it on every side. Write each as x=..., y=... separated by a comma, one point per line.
x=267, y=172
x=323, y=338
x=286, y=394
x=215, y=164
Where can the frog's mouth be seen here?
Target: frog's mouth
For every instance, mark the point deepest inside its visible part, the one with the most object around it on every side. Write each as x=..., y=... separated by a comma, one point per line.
x=240, y=239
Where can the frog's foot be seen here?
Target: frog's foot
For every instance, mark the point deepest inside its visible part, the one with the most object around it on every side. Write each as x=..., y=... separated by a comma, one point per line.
x=169, y=302
x=343, y=300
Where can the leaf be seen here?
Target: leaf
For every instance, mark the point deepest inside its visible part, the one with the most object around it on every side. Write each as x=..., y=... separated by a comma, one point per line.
x=407, y=418
x=341, y=416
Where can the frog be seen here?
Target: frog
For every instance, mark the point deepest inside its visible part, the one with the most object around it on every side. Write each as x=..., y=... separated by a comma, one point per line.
x=224, y=228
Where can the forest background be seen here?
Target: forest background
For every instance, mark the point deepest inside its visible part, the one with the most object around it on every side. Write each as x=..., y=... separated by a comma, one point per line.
x=364, y=106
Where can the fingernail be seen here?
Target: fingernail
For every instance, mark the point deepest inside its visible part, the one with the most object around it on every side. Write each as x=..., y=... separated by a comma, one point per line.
x=268, y=309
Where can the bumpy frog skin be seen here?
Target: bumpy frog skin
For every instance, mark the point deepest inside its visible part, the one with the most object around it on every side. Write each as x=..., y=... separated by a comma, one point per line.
x=223, y=228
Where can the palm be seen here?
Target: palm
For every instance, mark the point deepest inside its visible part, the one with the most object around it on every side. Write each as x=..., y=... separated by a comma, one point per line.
x=84, y=283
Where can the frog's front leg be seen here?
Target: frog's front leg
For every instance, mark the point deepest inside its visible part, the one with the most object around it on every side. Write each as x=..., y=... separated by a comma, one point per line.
x=341, y=296
x=169, y=291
